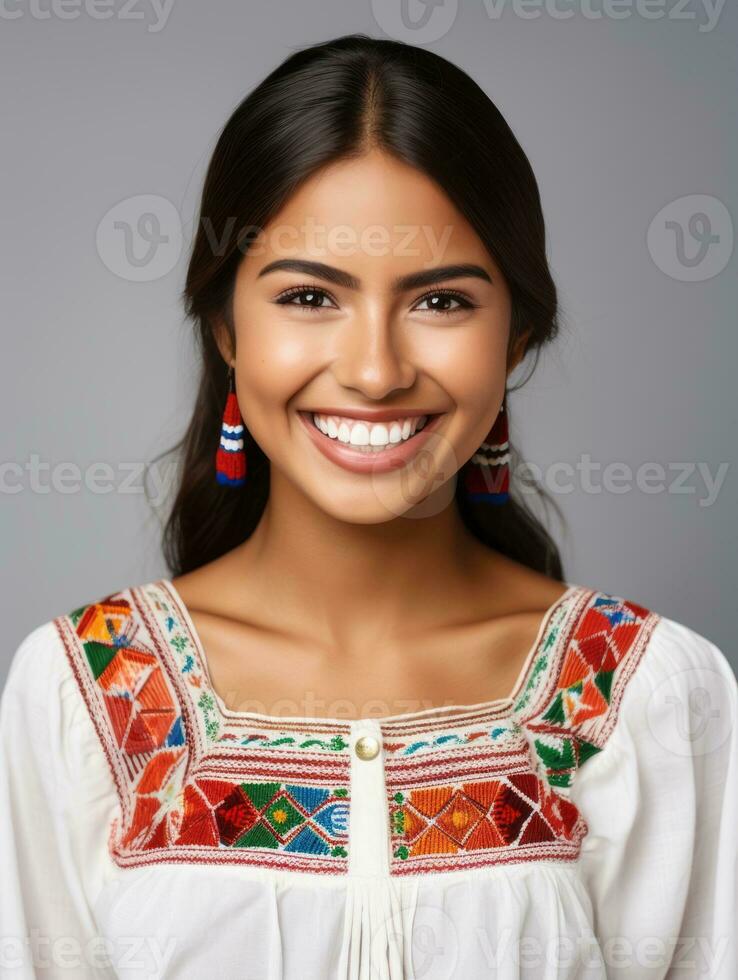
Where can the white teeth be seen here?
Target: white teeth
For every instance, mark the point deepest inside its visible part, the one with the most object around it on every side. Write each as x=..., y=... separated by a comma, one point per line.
x=379, y=436
x=359, y=435
x=366, y=436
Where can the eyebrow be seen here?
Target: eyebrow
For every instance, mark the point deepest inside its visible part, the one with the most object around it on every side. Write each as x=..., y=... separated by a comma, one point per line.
x=412, y=280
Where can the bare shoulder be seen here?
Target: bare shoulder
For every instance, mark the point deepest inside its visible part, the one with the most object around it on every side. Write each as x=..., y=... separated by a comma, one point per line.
x=209, y=589
x=517, y=590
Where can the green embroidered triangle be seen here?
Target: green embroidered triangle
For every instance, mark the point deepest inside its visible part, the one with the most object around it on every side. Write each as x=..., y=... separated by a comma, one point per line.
x=76, y=615
x=260, y=793
x=98, y=655
x=603, y=680
x=555, y=711
x=556, y=758
x=257, y=836
x=586, y=750
x=559, y=778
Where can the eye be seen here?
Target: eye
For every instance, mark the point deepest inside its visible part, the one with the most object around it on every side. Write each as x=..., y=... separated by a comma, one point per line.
x=439, y=302
x=309, y=298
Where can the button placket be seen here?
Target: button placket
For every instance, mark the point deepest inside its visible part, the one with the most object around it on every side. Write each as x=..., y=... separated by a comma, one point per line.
x=369, y=816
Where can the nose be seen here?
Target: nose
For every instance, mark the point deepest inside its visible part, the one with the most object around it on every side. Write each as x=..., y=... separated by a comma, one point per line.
x=373, y=356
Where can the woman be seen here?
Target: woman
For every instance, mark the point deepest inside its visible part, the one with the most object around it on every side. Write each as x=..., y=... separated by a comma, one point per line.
x=366, y=729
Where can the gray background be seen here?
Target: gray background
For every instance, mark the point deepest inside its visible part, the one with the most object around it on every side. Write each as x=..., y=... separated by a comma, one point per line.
x=619, y=117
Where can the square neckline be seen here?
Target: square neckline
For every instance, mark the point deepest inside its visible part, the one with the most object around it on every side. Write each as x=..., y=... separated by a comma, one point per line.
x=455, y=711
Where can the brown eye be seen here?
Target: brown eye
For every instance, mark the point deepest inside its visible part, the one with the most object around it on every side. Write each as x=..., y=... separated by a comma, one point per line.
x=309, y=297
x=441, y=301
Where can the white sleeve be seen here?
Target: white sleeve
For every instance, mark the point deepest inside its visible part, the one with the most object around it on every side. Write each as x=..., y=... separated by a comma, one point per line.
x=660, y=860
x=57, y=798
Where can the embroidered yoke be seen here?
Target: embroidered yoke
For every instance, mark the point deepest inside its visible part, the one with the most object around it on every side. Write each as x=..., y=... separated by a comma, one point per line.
x=195, y=784
x=330, y=848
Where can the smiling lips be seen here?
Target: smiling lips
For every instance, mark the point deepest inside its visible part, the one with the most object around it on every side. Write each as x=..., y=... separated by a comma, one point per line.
x=366, y=435
x=369, y=441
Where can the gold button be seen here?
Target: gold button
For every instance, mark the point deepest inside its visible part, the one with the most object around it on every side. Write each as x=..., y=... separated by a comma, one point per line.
x=366, y=747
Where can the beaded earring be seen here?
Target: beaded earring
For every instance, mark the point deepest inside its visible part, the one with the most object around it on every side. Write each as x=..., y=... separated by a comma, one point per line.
x=230, y=459
x=487, y=474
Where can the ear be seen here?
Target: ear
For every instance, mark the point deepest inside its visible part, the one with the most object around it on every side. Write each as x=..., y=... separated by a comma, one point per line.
x=223, y=339
x=518, y=350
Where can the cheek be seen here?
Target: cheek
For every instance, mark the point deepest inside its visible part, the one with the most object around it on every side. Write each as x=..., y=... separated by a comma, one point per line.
x=471, y=367
x=272, y=365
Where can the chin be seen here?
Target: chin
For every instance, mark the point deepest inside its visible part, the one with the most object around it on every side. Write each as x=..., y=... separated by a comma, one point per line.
x=377, y=504
x=359, y=508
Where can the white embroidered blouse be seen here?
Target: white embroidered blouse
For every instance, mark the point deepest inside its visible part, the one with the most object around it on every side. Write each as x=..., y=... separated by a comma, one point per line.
x=584, y=827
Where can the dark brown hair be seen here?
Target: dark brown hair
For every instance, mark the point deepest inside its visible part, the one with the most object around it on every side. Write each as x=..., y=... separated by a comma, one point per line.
x=325, y=102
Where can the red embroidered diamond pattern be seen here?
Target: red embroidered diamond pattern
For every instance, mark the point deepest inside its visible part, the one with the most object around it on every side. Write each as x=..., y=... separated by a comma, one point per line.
x=235, y=815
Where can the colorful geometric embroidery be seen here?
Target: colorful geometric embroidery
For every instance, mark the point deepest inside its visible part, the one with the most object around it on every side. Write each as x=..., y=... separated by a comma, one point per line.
x=142, y=712
x=572, y=718
x=186, y=791
x=306, y=819
x=468, y=823
x=216, y=812
x=489, y=813
x=487, y=785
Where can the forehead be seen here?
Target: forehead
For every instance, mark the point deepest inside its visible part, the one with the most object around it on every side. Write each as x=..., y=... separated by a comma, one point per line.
x=374, y=211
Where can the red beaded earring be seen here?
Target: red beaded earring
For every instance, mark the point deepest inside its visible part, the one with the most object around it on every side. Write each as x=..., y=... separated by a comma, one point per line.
x=487, y=475
x=230, y=459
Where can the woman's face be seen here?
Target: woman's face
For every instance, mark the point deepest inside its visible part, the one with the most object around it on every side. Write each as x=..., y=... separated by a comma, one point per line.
x=348, y=311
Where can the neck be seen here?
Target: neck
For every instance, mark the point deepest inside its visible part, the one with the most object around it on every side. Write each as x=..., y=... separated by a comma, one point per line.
x=393, y=573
